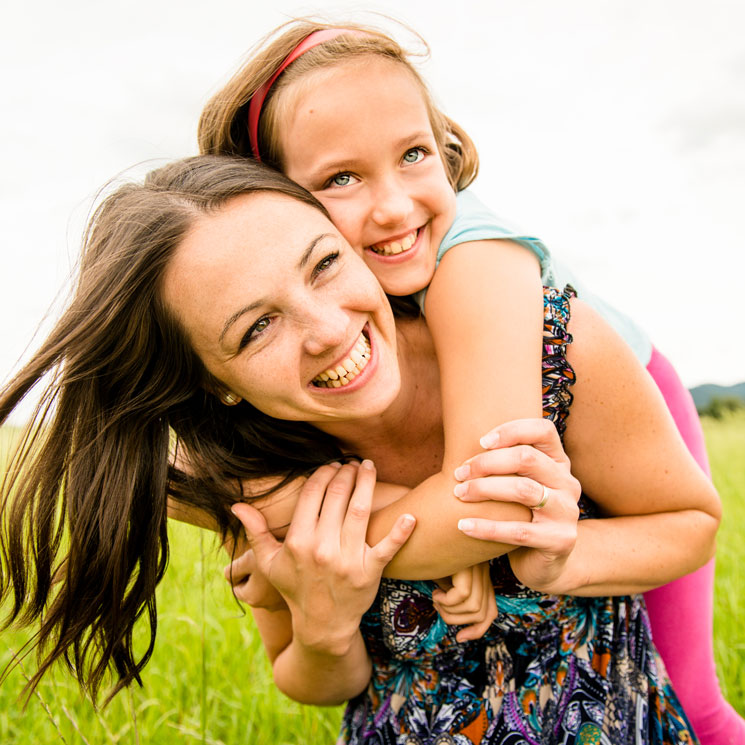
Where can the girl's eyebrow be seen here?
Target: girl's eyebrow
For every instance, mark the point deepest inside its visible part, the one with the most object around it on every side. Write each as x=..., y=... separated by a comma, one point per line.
x=345, y=164
x=252, y=306
x=414, y=137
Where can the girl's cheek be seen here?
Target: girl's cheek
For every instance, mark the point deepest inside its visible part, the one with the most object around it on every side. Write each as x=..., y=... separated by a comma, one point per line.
x=348, y=221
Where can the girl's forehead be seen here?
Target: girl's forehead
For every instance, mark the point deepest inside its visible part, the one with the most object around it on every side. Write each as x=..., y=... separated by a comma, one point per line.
x=348, y=109
x=354, y=71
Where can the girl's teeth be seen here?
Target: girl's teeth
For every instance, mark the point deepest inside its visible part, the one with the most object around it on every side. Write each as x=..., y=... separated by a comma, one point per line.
x=396, y=247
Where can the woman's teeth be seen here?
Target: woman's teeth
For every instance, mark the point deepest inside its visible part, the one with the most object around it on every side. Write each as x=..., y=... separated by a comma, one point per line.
x=347, y=370
x=395, y=247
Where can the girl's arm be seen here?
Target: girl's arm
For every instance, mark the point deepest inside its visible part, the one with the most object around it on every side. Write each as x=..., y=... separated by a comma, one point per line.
x=660, y=511
x=484, y=310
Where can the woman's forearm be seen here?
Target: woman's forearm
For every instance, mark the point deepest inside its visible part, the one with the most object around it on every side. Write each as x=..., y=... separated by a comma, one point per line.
x=321, y=677
x=633, y=554
x=321, y=667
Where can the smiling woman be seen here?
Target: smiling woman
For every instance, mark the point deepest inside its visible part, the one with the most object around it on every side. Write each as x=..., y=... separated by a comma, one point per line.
x=124, y=374
x=288, y=303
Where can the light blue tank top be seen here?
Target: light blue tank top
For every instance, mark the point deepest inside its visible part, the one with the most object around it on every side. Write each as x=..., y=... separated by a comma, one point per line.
x=475, y=222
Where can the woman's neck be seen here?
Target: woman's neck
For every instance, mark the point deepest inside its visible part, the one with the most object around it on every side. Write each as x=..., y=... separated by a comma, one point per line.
x=405, y=442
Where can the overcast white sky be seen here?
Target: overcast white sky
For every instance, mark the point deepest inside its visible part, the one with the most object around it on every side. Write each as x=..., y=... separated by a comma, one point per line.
x=613, y=129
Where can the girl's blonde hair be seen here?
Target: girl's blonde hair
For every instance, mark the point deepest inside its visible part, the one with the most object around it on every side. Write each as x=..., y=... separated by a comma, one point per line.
x=223, y=125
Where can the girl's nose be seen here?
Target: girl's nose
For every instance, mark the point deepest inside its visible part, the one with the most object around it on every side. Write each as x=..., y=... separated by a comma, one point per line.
x=392, y=204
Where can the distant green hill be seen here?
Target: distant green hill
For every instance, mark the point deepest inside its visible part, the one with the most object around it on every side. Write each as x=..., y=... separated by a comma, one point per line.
x=703, y=394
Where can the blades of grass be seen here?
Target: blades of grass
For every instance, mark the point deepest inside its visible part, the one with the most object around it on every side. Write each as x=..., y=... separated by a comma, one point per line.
x=38, y=695
x=71, y=718
x=133, y=713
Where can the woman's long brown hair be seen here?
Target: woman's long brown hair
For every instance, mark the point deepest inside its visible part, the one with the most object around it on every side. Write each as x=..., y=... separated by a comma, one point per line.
x=84, y=499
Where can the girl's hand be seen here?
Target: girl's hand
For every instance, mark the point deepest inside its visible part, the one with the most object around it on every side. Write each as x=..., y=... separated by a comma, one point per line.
x=526, y=463
x=250, y=586
x=324, y=570
x=468, y=601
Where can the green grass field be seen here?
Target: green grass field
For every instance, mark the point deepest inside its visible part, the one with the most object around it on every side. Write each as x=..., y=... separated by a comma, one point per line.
x=208, y=681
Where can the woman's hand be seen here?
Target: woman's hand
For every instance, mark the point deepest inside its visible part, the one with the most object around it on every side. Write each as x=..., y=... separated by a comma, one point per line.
x=525, y=462
x=467, y=599
x=324, y=570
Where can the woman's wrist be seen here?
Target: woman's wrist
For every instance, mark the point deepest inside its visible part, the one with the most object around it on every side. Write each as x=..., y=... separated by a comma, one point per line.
x=319, y=638
x=323, y=677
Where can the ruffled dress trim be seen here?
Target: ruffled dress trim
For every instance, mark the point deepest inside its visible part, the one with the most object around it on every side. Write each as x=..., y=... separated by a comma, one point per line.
x=558, y=374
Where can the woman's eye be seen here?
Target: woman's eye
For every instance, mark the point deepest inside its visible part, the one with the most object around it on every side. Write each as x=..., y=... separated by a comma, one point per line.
x=414, y=155
x=260, y=326
x=325, y=263
x=342, y=179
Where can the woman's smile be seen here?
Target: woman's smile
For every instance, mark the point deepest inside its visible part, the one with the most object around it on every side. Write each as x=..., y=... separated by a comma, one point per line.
x=284, y=313
x=347, y=369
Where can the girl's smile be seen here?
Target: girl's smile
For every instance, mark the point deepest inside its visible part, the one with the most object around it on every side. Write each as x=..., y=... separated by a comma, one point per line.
x=358, y=136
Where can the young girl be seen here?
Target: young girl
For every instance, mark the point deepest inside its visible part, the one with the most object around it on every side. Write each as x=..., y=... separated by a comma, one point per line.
x=343, y=112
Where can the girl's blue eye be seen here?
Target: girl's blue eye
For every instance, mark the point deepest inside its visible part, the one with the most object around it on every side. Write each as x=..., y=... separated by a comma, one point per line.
x=325, y=263
x=414, y=155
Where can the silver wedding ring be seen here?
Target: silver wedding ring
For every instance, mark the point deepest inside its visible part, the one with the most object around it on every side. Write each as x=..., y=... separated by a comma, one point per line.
x=543, y=501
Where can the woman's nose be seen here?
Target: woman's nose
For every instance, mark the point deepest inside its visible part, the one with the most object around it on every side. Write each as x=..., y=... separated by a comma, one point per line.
x=392, y=204
x=325, y=327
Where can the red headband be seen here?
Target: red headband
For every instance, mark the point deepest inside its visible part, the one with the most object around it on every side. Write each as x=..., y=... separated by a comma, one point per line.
x=257, y=100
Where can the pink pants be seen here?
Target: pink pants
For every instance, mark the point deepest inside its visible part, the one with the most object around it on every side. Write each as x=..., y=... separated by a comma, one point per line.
x=681, y=612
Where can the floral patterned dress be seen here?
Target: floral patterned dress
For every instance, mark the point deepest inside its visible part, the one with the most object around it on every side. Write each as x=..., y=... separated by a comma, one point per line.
x=551, y=670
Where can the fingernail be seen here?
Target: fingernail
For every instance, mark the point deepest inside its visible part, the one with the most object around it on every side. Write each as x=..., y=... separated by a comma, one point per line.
x=489, y=440
x=466, y=525
x=368, y=464
x=462, y=472
x=408, y=520
x=460, y=490
x=232, y=509
x=335, y=464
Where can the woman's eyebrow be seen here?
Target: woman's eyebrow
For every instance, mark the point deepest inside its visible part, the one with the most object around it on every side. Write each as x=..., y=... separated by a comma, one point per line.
x=308, y=251
x=252, y=306
x=236, y=316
